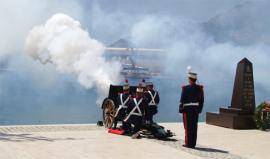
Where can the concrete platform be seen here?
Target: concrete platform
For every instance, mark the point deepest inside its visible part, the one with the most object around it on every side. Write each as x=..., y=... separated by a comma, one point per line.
x=230, y=120
x=90, y=141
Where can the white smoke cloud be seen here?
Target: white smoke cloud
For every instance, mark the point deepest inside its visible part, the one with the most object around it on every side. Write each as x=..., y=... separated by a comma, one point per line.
x=108, y=26
x=187, y=44
x=17, y=17
x=62, y=42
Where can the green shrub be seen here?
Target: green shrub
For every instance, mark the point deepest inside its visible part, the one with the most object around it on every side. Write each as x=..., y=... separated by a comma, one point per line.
x=262, y=121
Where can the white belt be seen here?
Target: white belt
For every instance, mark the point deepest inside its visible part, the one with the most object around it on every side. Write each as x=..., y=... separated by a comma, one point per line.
x=122, y=106
x=152, y=102
x=191, y=104
x=134, y=109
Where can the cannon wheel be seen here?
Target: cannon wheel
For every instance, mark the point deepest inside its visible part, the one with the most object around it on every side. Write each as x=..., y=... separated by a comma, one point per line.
x=108, y=112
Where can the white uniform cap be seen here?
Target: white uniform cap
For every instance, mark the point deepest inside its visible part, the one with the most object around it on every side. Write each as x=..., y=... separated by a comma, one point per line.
x=126, y=87
x=191, y=74
x=149, y=84
x=139, y=90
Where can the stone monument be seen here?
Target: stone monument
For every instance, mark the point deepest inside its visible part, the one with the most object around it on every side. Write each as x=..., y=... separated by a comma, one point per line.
x=240, y=114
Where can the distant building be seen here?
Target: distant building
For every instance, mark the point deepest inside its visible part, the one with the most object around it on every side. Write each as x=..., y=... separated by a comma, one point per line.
x=129, y=57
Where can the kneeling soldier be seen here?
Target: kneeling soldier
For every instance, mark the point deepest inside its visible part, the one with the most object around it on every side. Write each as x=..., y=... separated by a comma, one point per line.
x=135, y=111
x=153, y=101
x=191, y=104
x=123, y=99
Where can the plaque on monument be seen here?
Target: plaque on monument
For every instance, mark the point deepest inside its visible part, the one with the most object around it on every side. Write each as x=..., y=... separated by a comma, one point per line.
x=239, y=114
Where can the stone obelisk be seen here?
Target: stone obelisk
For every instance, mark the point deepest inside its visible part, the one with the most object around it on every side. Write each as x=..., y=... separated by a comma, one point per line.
x=239, y=114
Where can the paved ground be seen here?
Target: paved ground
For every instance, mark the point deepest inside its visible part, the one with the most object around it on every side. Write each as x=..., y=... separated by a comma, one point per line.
x=90, y=141
x=253, y=144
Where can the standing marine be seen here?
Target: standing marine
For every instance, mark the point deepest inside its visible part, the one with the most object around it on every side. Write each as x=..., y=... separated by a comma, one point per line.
x=153, y=100
x=191, y=104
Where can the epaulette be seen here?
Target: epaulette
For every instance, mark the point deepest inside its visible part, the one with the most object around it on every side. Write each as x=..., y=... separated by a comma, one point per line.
x=201, y=86
x=184, y=86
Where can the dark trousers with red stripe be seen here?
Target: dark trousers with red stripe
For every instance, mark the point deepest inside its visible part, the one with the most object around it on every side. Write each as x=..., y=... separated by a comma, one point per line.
x=190, y=120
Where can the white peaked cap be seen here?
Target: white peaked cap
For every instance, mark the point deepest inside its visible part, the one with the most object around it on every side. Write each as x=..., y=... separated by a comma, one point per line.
x=139, y=90
x=149, y=84
x=126, y=85
x=190, y=73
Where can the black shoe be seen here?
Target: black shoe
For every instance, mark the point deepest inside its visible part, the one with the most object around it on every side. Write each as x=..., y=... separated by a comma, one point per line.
x=191, y=147
x=185, y=146
x=127, y=132
x=100, y=123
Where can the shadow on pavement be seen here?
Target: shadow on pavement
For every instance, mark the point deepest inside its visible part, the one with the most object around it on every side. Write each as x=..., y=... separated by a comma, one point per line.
x=210, y=150
x=168, y=139
x=28, y=138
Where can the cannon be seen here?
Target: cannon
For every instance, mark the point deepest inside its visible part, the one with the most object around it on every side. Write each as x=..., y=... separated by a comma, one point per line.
x=110, y=105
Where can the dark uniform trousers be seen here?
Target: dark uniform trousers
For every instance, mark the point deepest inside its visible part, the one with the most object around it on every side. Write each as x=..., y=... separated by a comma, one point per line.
x=191, y=104
x=190, y=119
